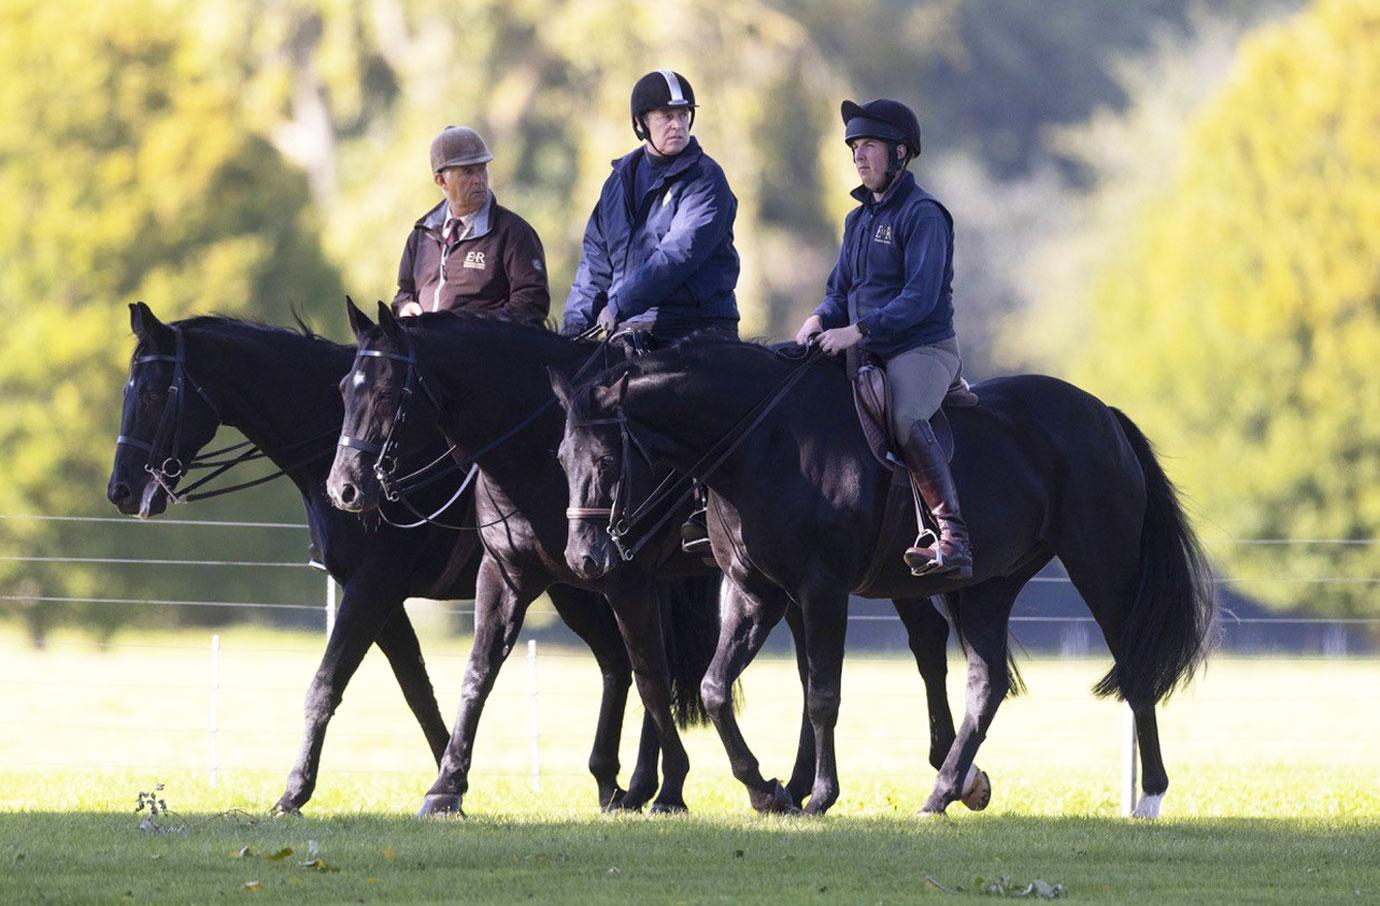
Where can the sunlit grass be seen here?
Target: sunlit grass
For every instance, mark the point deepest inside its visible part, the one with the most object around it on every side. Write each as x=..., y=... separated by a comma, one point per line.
x=1273, y=769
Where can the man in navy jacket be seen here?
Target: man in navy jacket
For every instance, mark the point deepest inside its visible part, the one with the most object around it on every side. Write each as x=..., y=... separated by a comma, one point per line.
x=658, y=250
x=891, y=295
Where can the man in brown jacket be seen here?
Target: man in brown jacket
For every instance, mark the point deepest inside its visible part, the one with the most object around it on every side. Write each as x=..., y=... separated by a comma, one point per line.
x=468, y=253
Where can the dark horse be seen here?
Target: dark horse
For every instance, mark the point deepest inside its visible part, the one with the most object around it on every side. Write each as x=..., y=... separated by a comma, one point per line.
x=796, y=513
x=482, y=380
x=280, y=389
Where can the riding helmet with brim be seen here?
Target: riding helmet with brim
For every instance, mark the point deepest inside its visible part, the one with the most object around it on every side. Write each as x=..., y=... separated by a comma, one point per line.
x=458, y=146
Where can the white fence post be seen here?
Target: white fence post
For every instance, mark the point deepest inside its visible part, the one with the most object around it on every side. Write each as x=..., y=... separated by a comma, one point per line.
x=1128, y=763
x=215, y=706
x=535, y=727
x=330, y=606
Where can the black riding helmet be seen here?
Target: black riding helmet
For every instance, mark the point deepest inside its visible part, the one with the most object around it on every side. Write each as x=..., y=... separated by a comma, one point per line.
x=661, y=88
x=885, y=120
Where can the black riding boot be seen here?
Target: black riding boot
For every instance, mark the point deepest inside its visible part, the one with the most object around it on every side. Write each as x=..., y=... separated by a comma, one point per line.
x=694, y=534
x=950, y=555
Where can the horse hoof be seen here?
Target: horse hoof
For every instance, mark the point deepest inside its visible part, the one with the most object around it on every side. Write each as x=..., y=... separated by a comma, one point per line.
x=441, y=804
x=668, y=808
x=284, y=809
x=979, y=792
x=931, y=813
x=615, y=801
x=777, y=801
x=1148, y=808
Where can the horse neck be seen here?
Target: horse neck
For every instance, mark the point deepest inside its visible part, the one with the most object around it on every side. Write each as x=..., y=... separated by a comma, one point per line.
x=688, y=413
x=277, y=388
x=491, y=378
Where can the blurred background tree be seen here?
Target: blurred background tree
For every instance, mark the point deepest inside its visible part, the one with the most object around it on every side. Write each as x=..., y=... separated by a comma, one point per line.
x=1234, y=310
x=253, y=156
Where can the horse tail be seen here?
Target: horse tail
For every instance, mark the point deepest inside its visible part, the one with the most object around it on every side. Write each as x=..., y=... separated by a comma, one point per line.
x=690, y=632
x=1171, y=626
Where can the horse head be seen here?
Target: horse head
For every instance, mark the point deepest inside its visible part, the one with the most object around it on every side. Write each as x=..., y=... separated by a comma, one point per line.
x=166, y=419
x=378, y=393
x=602, y=470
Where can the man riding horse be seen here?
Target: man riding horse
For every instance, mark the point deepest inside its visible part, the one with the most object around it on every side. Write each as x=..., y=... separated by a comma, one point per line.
x=658, y=251
x=469, y=253
x=891, y=295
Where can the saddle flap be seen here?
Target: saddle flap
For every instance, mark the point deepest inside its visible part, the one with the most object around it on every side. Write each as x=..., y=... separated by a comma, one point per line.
x=869, y=397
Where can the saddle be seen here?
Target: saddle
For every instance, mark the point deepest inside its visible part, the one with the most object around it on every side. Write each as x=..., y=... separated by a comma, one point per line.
x=870, y=397
x=904, y=512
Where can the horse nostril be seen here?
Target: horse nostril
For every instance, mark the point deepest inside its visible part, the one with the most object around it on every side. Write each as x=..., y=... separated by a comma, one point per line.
x=348, y=494
x=588, y=565
x=119, y=493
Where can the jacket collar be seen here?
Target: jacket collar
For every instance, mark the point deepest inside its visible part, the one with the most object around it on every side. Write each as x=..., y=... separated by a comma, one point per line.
x=678, y=165
x=901, y=185
x=435, y=219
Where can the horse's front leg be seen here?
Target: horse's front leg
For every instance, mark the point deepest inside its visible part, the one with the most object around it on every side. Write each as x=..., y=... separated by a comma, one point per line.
x=803, y=774
x=638, y=610
x=825, y=614
x=364, y=608
x=589, y=616
x=499, y=609
x=746, y=620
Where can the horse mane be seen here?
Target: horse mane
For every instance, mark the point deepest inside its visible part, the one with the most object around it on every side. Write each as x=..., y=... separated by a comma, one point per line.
x=216, y=320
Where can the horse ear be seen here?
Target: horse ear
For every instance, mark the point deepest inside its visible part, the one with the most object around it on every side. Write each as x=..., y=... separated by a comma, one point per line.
x=359, y=321
x=388, y=321
x=612, y=397
x=146, y=325
x=560, y=385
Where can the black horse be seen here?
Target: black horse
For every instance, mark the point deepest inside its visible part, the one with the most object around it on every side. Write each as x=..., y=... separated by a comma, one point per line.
x=796, y=515
x=482, y=380
x=280, y=389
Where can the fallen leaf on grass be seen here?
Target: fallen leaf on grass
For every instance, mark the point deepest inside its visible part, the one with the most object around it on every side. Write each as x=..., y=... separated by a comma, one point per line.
x=371, y=880
x=390, y=854
x=933, y=883
x=244, y=852
x=614, y=872
x=251, y=886
x=280, y=855
x=319, y=865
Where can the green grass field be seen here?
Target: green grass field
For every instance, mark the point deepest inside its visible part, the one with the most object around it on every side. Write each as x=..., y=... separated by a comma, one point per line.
x=1274, y=769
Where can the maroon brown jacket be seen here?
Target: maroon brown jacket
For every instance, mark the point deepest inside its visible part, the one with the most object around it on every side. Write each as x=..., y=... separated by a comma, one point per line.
x=504, y=269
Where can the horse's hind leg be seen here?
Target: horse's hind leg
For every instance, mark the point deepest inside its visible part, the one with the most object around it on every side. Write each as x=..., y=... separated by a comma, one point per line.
x=398, y=642
x=982, y=614
x=588, y=616
x=363, y=612
x=747, y=619
x=1107, y=584
x=928, y=635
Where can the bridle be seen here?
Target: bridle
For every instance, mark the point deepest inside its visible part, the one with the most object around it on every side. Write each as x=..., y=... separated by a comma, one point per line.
x=164, y=464
x=620, y=524
x=387, y=457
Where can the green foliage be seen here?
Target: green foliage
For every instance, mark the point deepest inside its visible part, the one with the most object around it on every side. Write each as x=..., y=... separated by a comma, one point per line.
x=1239, y=319
x=126, y=175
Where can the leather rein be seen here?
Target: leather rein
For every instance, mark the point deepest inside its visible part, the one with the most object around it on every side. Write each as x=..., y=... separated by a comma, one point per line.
x=621, y=525
x=166, y=467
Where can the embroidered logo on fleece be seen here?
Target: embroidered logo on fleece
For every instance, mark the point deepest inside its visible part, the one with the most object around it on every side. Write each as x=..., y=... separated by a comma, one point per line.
x=883, y=234
x=474, y=260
